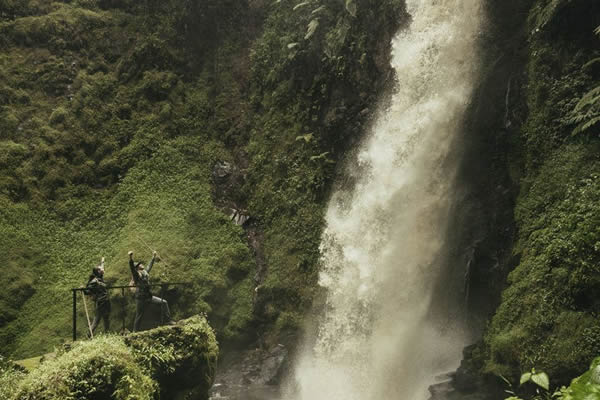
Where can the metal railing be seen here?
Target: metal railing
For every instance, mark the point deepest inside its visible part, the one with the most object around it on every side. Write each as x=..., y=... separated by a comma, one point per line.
x=163, y=286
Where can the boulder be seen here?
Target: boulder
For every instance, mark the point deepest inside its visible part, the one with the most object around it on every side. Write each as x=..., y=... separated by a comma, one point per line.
x=170, y=362
x=222, y=170
x=181, y=358
x=103, y=368
x=239, y=217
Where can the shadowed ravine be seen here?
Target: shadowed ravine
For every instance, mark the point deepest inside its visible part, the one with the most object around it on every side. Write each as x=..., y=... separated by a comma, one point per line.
x=383, y=247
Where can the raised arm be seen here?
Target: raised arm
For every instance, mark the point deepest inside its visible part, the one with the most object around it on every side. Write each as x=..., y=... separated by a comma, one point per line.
x=151, y=263
x=134, y=273
x=102, y=263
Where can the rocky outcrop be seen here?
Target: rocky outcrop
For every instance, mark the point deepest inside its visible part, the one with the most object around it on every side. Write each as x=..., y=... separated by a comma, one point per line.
x=257, y=371
x=182, y=358
x=173, y=362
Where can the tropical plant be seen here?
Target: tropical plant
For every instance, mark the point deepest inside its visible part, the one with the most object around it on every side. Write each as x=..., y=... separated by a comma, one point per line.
x=540, y=379
x=586, y=113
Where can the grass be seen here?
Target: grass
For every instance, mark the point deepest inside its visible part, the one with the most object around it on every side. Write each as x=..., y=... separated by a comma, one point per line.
x=171, y=361
x=30, y=363
x=112, y=117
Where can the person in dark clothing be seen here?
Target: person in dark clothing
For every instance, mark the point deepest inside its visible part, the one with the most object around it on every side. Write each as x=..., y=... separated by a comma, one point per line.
x=97, y=288
x=143, y=295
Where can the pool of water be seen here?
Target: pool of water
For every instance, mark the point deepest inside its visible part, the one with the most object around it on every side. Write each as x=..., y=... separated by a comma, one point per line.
x=255, y=392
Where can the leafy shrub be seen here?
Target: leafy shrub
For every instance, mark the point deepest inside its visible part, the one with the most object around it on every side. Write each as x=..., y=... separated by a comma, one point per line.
x=103, y=368
x=181, y=358
x=175, y=360
x=585, y=387
x=63, y=27
x=586, y=114
x=550, y=300
x=58, y=116
x=10, y=377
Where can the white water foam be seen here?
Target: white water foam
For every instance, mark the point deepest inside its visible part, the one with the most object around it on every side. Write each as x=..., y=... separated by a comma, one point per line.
x=384, y=238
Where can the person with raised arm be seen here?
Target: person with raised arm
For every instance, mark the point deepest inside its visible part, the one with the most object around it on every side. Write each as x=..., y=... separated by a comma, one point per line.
x=143, y=294
x=96, y=287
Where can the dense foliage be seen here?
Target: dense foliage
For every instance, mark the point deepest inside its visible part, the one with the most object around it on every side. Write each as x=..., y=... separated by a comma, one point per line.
x=316, y=71
x=139, y=366
x=586, y=386
x=182, y=359
x=116, y=114
x=548, y=315
x=100, y=369
x=113, y=116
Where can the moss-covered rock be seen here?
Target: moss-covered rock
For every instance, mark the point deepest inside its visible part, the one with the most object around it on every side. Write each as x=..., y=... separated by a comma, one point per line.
x=104, y=368
x=170, y=362
x=181, y=358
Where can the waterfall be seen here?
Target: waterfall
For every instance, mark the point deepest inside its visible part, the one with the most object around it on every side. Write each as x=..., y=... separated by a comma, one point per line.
x=383, y=246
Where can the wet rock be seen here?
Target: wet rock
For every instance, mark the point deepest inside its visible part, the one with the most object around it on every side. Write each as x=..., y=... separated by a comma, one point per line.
x=262, y=367
x=272, y=364
x=440, y=391
x=239, y=217
x=466, y=383
x=222, y=170
x=447, y=391
x=240, y=392
x=255, y=374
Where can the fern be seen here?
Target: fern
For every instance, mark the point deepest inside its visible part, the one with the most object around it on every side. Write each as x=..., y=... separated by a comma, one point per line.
x=584, y=126
x=549, y=13
x=312, y=27
x=589, y=99
x=586, y=113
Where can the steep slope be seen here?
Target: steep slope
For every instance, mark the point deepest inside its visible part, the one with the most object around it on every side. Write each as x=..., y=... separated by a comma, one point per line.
x=539, y=69
x=132, y=125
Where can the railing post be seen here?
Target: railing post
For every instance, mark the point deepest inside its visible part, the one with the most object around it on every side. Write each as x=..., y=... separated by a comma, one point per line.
x=163, y=288
x=123, y=310
x=162, y=305
x=74, y=314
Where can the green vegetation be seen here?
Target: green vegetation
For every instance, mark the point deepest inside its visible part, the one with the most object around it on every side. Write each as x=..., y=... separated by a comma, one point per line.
x=539, y=379
x=181, y=358
x=586, y=113
x=548, y=315
x=135, y=367
x=10, y=375
x=316, y=70
x=102, y=368
x=584, y=387
x=113, y=115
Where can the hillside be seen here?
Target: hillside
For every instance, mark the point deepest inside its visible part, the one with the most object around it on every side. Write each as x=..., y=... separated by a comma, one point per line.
x=118, y=120
x=213, y=131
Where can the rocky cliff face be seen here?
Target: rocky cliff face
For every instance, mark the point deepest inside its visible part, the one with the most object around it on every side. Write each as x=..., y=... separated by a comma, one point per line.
x=531, y=176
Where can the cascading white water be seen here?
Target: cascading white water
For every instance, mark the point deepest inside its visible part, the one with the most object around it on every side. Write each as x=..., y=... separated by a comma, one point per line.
x=384, y=238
